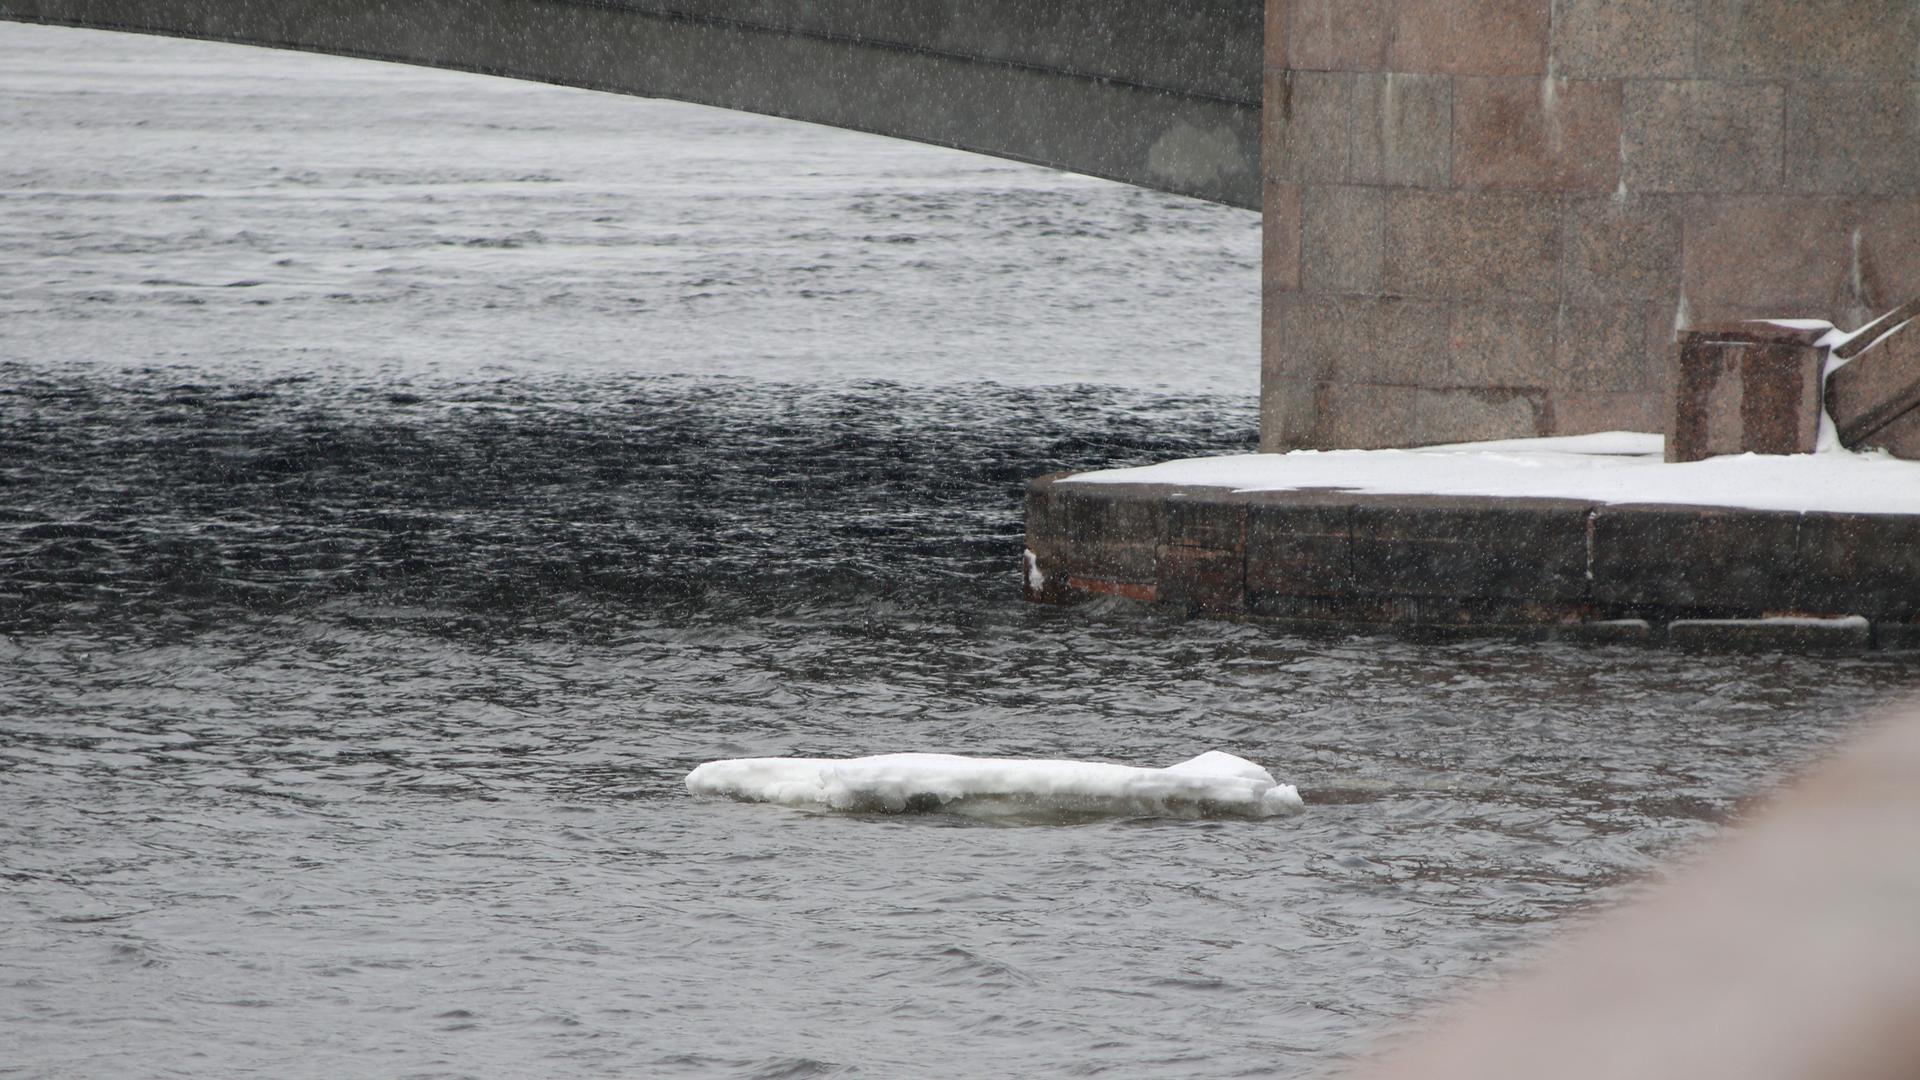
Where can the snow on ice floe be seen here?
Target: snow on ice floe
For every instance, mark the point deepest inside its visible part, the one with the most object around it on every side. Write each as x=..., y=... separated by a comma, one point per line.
x=1611, y=467
x=1213, y=784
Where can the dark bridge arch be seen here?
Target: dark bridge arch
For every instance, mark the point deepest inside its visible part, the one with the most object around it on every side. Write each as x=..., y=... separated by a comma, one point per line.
x=1164, y=94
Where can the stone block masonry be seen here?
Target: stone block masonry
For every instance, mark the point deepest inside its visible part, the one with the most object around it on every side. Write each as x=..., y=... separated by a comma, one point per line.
x=1472, y=565
x=1489, y=218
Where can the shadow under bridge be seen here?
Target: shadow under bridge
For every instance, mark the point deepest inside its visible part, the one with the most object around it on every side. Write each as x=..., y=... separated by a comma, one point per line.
x=1163, y=94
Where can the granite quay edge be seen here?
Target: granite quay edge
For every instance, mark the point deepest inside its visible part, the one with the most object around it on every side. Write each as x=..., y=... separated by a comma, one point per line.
x=1445, y=567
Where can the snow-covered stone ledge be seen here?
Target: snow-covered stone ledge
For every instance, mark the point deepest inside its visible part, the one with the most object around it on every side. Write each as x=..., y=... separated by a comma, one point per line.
x=1590, y=536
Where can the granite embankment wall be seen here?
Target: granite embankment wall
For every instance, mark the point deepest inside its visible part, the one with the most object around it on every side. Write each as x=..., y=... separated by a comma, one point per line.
x=1486, y=218
x=1471, y=564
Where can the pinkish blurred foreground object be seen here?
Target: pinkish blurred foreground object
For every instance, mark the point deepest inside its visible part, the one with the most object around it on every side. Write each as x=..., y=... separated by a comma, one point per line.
x=1792, y=951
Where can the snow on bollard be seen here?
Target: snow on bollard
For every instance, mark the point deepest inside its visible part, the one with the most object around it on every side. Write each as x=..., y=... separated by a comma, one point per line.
x=1215, y=784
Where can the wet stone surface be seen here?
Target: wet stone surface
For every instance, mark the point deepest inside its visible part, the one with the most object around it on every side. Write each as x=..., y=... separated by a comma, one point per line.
x=1474, y=564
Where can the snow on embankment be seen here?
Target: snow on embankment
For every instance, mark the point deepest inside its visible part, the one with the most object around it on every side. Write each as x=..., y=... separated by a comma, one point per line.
x=1212, y=784
x=1615, y=467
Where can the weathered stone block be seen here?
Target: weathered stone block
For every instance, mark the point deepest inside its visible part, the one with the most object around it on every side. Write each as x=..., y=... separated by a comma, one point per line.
x=1276, y=104
x=1577, y=412
x=1276, y=113
x=1876, y=388
x=1853, y=137
x=1798, y=39
x=1525, y=549
x=1047, y=545
x=1470, y=415
x=1280, y=237
x=1406, y=342
x=1745, y=390
x=1298, y=545
x=1702, y=136
x=1361, y=339
x=1500, y=345
x=1878, y=330
x=1341, y=233
x=1600, y=348
x=1337, y=35
x=1305, y=338
x=1362, y=416
x=1046, y=520
x=1204, y=518
x=1529, y=133
x=1371, y=415
x=1793, y=254
x=1403, y=130
x=1472, y=245
x=1308, y=119
x=1280, y=356
x=1630, y=39
x=1901, y=437
x=1200, y=562
x=1622, y=249
x=1200, y=581
x=1860, y=564
x=1607, y=632
x=1274, y=357
x=1471, y=37
x=1699, y=561
x=1287, y=411
x=1106, y=532
x=1888, y=260
x=1276, y=49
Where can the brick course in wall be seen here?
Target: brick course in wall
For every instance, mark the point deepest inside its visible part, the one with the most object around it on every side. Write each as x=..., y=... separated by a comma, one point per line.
x=1488, y=218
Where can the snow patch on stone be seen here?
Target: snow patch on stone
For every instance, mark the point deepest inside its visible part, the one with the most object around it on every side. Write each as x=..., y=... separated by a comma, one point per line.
x=1612, y=467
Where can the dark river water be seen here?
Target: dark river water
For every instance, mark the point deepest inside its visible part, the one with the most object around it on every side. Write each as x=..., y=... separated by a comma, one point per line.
x=405, y=479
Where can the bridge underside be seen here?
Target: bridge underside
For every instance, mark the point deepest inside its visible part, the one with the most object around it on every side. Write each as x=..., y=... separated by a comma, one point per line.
x=1163, y=94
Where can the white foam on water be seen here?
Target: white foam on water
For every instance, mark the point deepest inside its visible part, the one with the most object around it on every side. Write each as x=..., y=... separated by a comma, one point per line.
x=1213, y=784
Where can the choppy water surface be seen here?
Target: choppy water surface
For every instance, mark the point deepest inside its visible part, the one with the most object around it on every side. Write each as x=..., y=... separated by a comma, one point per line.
x=408, y=477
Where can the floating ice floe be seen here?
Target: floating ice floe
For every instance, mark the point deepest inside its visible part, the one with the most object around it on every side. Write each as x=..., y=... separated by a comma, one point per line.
x=1215, y=784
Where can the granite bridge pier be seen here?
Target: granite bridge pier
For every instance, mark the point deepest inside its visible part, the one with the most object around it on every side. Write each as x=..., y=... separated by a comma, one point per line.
x=1501, y=219
x=1483, y=219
